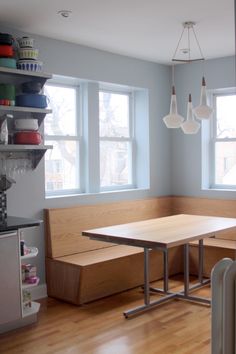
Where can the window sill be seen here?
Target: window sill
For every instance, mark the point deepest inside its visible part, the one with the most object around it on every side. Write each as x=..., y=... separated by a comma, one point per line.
x=219, y=193
x=101, y=193
x=215, y=189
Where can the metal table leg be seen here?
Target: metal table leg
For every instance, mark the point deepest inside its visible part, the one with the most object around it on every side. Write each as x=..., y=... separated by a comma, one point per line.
x=147, y=304
x=186, y=269
x=168, y=294
x=200, y=261
x=146, y=277
x=187, y=289
x=165, y=289
x=166, y=271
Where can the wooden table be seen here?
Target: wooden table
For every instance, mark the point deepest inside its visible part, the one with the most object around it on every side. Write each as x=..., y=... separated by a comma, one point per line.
x=162, y=234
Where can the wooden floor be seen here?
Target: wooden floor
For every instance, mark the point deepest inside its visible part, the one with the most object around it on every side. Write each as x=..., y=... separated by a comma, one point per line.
x=176, y=327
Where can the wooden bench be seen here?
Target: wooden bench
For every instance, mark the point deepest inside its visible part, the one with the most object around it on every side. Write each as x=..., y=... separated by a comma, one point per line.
x=79, y=270
x=224, y=243
x=214, y=250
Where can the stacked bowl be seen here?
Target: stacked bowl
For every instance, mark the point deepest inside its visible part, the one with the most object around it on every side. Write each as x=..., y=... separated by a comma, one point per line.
x=28, y=55
x=7, y=91
x=27, y=128
x=31, y=95
x=7, y=51
x=27, y=132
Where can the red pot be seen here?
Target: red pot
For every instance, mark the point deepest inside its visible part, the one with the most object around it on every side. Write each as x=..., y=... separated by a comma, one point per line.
x=6, y=51
x=27, y=138
x=4, y=102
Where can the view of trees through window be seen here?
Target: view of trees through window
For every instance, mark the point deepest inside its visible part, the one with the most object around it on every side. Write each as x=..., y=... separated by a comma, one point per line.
x=225, y=140
x=61, y=163
x=115, y=139
x=66, y=163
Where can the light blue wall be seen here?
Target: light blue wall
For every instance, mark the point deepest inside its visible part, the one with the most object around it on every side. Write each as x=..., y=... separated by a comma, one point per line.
x=175, y=159
x=186, y=150
x=26, y=198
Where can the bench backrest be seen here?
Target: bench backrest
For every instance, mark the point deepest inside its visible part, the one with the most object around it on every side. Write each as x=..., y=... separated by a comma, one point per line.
x=65, y=225
x=207, y=206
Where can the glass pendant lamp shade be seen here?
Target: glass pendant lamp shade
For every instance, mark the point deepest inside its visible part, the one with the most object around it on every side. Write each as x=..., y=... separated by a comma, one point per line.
x=203, y=111
x=190, y=126
x=183, y=54
x=173, y=119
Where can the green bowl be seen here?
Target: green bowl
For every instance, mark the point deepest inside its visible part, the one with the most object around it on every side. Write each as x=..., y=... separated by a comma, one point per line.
x=7, y=92
x=8, y=62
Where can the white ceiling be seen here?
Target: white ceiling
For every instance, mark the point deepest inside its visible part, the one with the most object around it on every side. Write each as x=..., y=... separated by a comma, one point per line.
x=146, y=29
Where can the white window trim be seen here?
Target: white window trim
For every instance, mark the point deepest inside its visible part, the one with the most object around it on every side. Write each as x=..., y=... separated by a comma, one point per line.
x=88, y=111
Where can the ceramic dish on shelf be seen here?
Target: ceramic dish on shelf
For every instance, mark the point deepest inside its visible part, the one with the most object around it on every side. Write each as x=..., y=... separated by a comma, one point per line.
x=6, y=51
x=31, y=87
x=28, y=53
x=8, y=62
x=26, y=124
x=6, y=38
x=27, y=138
x=30, y=65
x=7, y=92
x=25, y=42
x=31, y=100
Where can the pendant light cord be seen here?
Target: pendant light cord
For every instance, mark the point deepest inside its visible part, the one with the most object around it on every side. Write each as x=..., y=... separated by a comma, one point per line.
x=179, y=43
x=173, y=75
x=200, y=50
x=188, y=26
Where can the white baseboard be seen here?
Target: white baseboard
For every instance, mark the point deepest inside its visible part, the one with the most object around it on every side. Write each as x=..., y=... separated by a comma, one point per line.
x=39, y=292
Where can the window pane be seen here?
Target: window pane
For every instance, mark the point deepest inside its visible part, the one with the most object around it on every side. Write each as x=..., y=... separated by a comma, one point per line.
x=114, y=167
x=114, y=114
x=62, y=101
x=62, y=166
x=226, y=113
x=225, y=162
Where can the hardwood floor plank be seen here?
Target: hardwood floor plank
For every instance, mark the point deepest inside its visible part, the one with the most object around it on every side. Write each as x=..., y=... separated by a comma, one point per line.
x=176, y=327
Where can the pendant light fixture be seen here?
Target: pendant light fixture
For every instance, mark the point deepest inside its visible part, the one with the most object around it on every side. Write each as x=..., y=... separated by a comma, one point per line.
x=203, y=111
x=190, y=125
x=173, y=119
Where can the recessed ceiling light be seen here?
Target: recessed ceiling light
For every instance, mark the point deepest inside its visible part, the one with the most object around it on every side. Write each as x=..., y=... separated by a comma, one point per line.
x=64, y=13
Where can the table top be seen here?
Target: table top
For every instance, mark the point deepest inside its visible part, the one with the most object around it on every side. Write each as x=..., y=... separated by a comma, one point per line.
x=165, y=232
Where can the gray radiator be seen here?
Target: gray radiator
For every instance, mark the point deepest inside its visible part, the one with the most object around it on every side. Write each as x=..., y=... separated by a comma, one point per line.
x=223, y=317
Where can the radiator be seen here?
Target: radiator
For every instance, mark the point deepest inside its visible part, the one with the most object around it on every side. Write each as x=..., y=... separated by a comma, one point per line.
x=223, y=317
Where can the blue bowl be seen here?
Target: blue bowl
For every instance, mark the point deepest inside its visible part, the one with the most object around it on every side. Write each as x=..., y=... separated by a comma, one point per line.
x=31, y=100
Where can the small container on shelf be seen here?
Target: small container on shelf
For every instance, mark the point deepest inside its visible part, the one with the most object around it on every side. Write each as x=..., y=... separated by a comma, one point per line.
x=30, y=271
x=29, y=252
x=32, y=280
x=22, y=247
x=26, y=295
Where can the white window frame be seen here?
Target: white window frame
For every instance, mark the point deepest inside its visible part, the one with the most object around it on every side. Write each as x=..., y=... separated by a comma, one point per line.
x=214, y=140
x=130, y=140
x=77, y=138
